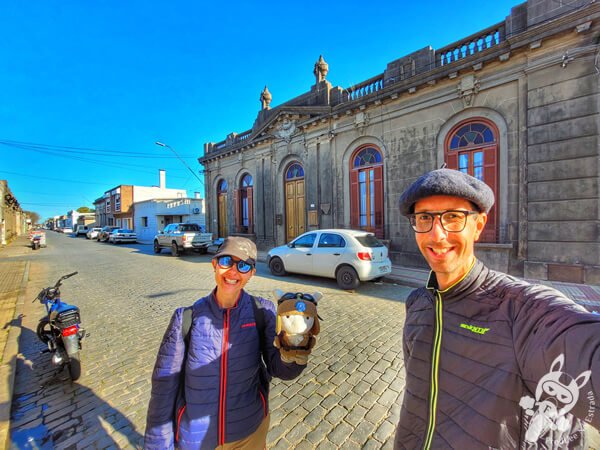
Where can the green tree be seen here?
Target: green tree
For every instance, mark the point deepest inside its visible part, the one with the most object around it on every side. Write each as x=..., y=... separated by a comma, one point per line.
x=35, y=217
x=84, y=209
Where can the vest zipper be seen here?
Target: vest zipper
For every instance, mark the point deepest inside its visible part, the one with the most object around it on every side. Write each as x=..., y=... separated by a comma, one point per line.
x=223, y=387
x=435, y=360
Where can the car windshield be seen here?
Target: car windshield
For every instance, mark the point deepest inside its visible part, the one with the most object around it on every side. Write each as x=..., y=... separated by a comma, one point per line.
x=190, y=227
x=369, y=240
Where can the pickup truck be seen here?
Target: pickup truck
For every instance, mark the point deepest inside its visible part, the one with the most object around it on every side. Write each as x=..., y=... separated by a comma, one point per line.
x=180, y=237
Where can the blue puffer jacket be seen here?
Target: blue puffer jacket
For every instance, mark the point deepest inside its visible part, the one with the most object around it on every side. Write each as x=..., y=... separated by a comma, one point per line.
x=226, y=400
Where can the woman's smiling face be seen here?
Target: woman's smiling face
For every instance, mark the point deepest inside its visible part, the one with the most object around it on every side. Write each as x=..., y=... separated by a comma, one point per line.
x=230, y=281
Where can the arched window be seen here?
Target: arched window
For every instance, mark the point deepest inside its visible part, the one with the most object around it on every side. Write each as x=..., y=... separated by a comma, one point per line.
x=222, y=187
x=244, y=219
x=472, y=147
x=366, y=190
x=295, y=171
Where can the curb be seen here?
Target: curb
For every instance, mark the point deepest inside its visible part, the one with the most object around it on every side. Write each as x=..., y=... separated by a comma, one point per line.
x=8, y=371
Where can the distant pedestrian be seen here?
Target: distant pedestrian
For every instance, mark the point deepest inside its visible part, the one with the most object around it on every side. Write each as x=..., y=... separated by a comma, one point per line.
x=492, y=362
x=223, y=402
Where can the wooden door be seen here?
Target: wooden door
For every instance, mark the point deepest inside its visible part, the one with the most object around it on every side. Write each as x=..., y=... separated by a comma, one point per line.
x=294, y=209
x=222, y=206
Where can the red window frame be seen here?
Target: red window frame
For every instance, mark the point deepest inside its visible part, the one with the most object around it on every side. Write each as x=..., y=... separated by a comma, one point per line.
x=489, y=167
x=374, y=178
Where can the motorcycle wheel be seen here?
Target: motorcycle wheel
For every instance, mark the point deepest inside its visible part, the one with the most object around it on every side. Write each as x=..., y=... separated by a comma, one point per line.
x=44, y=334
x=75, y=367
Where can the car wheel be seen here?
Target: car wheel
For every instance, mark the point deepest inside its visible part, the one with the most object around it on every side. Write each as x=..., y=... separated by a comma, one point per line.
x=174, y=249
x=157, y=248
x=347, y=278
x=203, y=251
x=277, y=267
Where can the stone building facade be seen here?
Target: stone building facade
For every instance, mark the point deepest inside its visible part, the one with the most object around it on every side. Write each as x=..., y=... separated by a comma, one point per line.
x=515, y=105
x=13, y=220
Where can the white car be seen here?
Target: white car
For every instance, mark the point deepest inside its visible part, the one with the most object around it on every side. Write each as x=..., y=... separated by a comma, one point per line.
x=93, y=233
x=122, y=235
x=349, y=256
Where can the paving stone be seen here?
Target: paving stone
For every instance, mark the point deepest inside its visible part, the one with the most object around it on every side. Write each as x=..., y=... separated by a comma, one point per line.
x=385, y=430
x=320, y=433
x=356, y=415
x=340, y=433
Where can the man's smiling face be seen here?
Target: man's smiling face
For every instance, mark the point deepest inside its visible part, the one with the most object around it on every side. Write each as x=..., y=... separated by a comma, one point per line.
x=449, y=254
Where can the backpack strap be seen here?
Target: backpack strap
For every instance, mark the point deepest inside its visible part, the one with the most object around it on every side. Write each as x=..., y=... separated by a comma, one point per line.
x=186, y=326
x=259, y=317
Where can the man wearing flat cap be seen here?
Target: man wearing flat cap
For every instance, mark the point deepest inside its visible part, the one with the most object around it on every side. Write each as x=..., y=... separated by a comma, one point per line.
x=492, y=362
x=210, y=384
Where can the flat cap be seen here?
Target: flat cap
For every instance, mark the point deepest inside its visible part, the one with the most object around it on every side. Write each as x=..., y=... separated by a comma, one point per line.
x=447, y=182
x=240, y=247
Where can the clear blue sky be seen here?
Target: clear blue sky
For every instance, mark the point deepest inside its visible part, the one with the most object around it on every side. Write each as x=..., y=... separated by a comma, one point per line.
x=114, y=76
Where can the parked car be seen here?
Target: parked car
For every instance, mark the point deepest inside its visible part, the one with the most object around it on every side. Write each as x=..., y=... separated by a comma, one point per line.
x=66, y=230
x=349, y=256
x=122, y=235
x=81, y=230
x=93, y=233
x=103, y=234
x=180, y=237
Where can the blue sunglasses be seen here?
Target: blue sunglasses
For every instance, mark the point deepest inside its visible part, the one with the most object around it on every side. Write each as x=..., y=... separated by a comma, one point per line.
x=226, y=262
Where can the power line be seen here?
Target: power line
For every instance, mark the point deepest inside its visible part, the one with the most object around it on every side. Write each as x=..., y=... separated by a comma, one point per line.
x=28, y=175
x=85, y=150
x=51, y=152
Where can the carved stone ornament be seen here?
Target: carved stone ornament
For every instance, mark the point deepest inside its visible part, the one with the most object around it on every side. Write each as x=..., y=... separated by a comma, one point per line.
x=265, y=98
x=468, y=89
x=321, y=69
x=361, y=120
x=285, y=130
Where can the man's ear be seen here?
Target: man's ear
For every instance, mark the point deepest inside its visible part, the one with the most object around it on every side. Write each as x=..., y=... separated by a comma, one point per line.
x=214, y=263
x=480, y=222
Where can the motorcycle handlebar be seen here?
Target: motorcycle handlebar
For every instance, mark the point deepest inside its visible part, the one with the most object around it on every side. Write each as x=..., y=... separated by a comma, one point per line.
x=43, y=292
x=64, y=277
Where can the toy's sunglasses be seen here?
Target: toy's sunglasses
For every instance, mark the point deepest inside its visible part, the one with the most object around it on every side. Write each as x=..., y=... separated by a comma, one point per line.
x=226, y=262
x=298, y=296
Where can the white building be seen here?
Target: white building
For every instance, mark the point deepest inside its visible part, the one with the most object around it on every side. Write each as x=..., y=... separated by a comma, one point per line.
x=152, y=216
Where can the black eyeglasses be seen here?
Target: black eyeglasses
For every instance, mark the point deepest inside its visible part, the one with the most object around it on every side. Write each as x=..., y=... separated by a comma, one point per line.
x=453, y=221
x=226, y=262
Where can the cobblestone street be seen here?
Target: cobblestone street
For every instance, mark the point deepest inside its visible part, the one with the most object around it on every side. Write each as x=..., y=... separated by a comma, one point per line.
x=348, y=397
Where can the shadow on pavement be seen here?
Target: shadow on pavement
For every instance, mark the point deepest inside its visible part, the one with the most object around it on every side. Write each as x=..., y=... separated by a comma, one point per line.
x=49, y=410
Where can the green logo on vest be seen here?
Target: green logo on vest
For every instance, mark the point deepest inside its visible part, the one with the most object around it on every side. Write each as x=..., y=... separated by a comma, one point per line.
x=474, y=329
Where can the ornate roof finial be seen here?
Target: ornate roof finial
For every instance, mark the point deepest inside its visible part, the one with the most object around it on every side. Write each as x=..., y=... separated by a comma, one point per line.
x=321, y=69
x=265, y=98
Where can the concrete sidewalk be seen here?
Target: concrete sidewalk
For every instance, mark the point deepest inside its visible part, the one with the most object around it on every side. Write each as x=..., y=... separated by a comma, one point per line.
x=14, y=275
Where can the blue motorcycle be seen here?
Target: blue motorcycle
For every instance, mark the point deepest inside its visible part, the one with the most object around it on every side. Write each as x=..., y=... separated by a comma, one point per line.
x=61, y=329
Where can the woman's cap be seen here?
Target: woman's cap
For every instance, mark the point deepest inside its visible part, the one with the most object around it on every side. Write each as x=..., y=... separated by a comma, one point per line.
x=239, y=247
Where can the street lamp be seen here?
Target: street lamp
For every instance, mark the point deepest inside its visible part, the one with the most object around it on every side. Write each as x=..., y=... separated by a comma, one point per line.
x=160, y=144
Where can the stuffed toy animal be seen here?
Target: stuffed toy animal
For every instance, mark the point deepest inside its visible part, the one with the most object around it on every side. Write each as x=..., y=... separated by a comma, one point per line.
x=297, y=325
